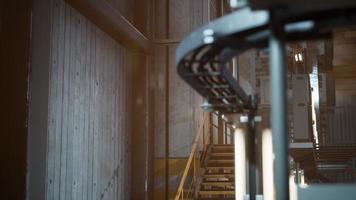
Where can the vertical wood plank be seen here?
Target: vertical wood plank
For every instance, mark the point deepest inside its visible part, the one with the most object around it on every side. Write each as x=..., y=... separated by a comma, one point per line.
x=88, y=133
x=53, y=94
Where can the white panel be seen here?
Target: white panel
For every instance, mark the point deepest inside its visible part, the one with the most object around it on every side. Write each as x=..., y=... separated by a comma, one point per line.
x=322, y=89
x=300, y=122
x=327, y=192
x=300, y=84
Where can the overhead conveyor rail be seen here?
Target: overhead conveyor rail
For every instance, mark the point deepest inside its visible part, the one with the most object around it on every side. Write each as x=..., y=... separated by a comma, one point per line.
x=203, y=56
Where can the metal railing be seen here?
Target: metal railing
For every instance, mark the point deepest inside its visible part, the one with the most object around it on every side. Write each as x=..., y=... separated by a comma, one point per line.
x=188, y=183
x=228, y=136
x=190, y=178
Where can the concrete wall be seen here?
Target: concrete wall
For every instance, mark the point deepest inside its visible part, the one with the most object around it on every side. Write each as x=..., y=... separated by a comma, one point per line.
x=183, y=111
x=86, y=152
x=177, y=107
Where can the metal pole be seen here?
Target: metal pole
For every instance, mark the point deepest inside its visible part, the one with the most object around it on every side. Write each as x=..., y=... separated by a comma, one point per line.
x=279, y=116
x=220, y=129
x=252, y=156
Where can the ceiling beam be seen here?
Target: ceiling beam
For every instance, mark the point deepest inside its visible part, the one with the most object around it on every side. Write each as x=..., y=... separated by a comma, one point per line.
x=112, y=22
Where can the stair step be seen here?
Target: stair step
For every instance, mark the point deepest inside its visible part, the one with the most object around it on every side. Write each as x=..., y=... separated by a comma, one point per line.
x=218, y=179
x=217, y=198
x=222, y=154
x=221, y=161
x=222, y=150
x=218, y=183
x=223, y=145
x=227, y=175
x=217, y=192
x=220, y=164
x=224, y=177
x=220, y=168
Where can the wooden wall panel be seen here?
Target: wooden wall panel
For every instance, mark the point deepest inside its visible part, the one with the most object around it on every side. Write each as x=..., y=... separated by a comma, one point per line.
x=140, y=132
x=160, y=19
x=160, y=68
x=160, y=122
x=186, y=16
x=247, y=71
x=88, y=132
x=344, y=70
x=180, y=17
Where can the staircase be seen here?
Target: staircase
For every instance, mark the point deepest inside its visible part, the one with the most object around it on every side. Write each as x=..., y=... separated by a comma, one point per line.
x=218, y=181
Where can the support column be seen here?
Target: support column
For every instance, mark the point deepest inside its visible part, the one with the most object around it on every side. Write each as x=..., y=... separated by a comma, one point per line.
x=240, y=163
x=38, y=117
x=220, y=129
x=211, y=128
x=253, y=169
x=279, y=117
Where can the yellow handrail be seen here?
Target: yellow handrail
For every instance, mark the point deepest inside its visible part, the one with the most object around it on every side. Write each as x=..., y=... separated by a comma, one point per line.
x=190, y=159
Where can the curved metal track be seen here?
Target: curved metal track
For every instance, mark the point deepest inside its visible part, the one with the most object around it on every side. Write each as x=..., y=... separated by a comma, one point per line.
x=203, y=56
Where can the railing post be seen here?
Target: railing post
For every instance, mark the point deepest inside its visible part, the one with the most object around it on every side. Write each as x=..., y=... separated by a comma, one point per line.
x=220, y=129
x=225, y=133
x=211, y=129
x=192, y=158
x=203, y=135
x=194, y=168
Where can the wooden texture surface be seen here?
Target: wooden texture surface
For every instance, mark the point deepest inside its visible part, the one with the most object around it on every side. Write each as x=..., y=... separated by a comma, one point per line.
x=15, y=24
x=344, y=67
x=88, y=134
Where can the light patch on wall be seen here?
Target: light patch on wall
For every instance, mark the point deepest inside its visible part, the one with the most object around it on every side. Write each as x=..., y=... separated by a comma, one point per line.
x=160, y=81
x=139, y=101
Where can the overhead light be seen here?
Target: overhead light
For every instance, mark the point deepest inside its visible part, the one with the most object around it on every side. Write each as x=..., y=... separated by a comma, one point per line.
x=237, y=3
x=208, y=40
x=234, y=3
x=298, y=57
